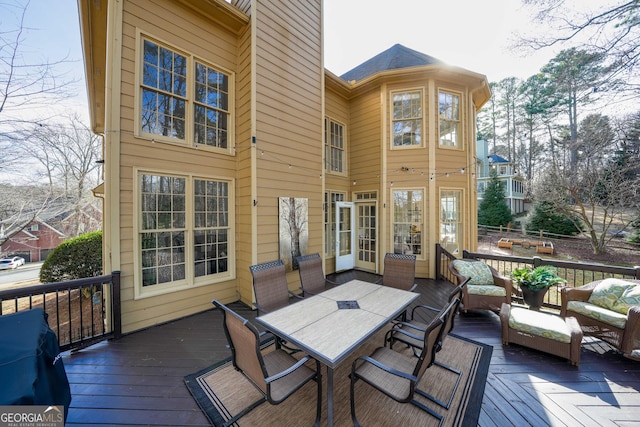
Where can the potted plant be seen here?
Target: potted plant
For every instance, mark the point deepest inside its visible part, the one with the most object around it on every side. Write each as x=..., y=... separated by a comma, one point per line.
x=534, y=283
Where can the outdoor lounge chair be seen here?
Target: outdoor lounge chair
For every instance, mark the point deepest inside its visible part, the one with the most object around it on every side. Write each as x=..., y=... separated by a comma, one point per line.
x=486, y=290
x=399, y=271
x=607, y=309
x=270, y=286
x=397, y=375
x=312, y=278
x=414, y=329
x=276, y=374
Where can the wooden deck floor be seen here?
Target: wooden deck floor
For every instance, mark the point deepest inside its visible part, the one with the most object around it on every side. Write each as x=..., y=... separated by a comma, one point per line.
x=138, y=380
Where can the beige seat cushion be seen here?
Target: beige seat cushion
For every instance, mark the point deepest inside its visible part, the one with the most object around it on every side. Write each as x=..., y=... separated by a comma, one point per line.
x=598, y=313
x=487, y=290
x=540, y=324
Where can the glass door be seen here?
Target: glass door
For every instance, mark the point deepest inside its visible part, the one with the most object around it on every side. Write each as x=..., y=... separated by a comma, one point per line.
x=345, y=236
x=367, y=236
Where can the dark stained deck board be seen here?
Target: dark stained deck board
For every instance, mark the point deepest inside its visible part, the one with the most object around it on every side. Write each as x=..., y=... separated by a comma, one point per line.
x=138, y=380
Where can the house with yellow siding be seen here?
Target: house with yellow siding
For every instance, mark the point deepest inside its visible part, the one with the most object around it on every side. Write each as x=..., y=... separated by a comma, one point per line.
x=227, y=143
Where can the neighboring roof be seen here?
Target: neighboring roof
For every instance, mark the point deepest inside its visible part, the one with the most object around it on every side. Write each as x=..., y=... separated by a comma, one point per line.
x=494, y=158
x=397, y=56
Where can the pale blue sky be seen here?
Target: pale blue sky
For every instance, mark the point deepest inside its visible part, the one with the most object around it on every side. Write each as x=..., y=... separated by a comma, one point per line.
x=470, y=34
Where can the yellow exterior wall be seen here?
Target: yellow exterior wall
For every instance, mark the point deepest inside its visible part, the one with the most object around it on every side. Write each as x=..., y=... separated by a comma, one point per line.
x=196, y=35
x=288, y=120
x=281, y=96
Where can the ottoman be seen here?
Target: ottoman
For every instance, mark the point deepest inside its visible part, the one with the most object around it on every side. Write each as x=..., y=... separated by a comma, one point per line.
x=541, y=331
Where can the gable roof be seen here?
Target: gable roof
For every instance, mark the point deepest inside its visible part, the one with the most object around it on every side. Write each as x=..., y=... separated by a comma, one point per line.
x=494, y=158
x=397, y=56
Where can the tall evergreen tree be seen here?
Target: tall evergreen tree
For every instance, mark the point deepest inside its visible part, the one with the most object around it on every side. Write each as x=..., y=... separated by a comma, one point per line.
x=493, y=209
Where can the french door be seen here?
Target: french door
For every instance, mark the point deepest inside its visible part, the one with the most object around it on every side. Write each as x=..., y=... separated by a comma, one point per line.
x=345, y=236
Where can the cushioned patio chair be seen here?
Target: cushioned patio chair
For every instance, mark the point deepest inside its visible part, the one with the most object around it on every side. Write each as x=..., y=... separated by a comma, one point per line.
x=397, y=375
x=312, y=278
x=270, y=286
x=399, y=271
x=414, y=329
x=276, y=374
x=607, y=309
x=486, y=290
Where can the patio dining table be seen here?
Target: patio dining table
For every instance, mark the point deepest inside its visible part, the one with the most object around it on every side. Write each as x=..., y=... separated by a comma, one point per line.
x=331, y=325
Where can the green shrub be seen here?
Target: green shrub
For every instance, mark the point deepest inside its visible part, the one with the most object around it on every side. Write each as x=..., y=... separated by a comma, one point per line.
x=545, y=218
x=75, y=258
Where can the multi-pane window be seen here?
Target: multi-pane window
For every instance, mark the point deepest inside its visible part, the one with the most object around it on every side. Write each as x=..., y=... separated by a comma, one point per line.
x=211, y=107
x=449, y=108
x=407, y=119
x=175, y=246
x=211, y=227
x=407, y=221
x=182, y=99
x=334, y=146
x=164, y=91
x=451, y=220
x=163, y=229
x=330, y=200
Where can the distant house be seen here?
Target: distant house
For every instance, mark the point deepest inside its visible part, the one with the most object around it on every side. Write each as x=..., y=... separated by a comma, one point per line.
x=227, y=144
x=514, y=185
x=34, y=238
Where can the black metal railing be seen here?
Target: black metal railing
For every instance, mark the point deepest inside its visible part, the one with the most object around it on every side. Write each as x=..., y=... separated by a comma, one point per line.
x=81, y=312
x=575, y=273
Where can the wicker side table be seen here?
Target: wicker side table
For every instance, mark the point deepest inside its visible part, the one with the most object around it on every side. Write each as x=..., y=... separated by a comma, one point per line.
x=535, y=320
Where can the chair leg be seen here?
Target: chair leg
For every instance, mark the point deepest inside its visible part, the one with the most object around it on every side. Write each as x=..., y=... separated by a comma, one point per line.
x=434, y=399
x=244, y=412
x=319, y=404
x=353, y=400
x=429, y=411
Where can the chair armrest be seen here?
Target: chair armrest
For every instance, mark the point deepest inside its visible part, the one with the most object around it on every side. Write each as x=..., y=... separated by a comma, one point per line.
x=631, y=337
x=572, y=294
x=287, y=371
x=374, y=362
x=398, y=330
x=433, y=311
x=293, y=294
x=331, y=282
x=459, y=277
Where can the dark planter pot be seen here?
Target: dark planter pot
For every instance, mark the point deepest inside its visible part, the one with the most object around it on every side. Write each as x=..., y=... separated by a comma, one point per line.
x=533, y=297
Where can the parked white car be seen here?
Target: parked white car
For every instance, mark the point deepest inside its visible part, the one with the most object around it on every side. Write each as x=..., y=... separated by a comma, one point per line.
x=11, y=263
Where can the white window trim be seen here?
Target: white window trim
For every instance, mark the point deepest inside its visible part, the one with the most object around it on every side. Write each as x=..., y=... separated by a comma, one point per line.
x=190, y=280
x=188, y=141
x=328, y=121
x=423, y=119
x=423, y=220
x=460, y=146
x=461, y=212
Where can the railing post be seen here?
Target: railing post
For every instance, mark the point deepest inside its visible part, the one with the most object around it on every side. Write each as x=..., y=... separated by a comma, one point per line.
x=438, y=259
x=116, y=307
x=465, y=254
x=537, y=261
x=637, y=271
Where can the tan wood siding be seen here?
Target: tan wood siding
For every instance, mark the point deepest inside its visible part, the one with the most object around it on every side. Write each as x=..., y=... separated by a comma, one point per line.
x=288, y=117
x=185, y=31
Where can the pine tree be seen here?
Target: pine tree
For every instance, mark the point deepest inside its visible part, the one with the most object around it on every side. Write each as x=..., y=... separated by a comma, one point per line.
x=493, y=210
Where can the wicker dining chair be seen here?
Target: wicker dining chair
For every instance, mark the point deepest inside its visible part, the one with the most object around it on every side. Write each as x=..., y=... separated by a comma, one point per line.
x=397, y=375
x=399, y=271
x=270, y=286
x=276, y=374
x=312, y=278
